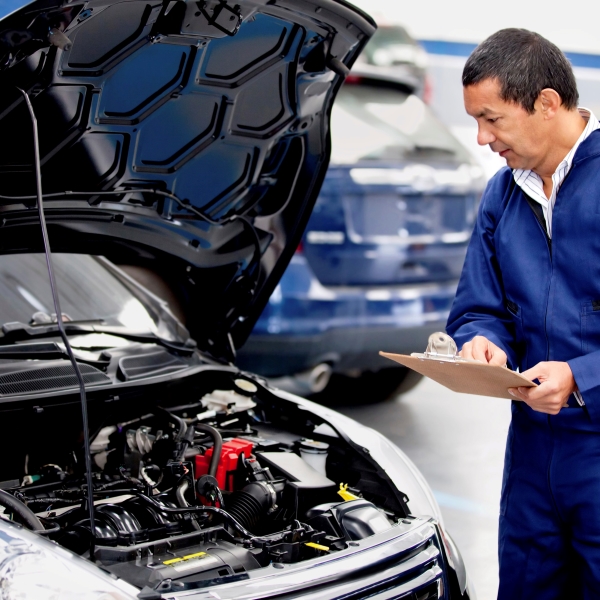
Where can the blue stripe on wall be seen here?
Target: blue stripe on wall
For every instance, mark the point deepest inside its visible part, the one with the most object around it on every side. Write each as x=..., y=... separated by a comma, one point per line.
x=577, y=59
x=448, y=48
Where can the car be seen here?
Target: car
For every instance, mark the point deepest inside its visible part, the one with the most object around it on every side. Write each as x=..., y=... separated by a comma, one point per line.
x=378, y=265
x=185, y=145
x=393, y=51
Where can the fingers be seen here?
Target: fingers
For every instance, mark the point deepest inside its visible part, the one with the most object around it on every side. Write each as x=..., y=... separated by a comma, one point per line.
x=498, y=357
x=481, y=349
x=556, y=385
x=543, y=398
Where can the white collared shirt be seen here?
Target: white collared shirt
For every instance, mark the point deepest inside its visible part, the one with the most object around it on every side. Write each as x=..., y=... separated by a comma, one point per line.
x=531, y=183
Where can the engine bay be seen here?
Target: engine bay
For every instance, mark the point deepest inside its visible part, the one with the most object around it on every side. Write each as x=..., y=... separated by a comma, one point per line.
x=194, y=494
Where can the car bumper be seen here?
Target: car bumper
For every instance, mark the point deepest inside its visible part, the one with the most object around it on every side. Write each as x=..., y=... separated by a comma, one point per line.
x=306, y=323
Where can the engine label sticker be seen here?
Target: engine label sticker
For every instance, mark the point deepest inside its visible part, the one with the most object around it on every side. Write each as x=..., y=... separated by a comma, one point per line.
x=190, y=561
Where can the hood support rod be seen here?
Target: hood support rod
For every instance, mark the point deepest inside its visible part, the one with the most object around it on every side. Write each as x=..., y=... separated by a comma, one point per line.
x=61, y=328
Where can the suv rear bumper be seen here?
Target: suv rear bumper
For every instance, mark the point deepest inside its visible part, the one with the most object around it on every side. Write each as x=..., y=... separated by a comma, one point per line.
x=306, y=323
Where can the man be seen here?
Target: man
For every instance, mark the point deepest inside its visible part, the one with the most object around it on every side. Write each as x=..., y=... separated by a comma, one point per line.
x=529, y=297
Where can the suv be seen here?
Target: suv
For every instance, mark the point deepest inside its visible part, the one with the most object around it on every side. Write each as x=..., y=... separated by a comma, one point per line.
x=379, y=263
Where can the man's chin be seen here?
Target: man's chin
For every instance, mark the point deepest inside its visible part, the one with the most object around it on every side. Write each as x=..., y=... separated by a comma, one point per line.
x=513, y=161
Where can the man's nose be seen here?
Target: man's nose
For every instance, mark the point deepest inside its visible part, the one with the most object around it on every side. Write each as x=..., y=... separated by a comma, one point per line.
x=485, y=136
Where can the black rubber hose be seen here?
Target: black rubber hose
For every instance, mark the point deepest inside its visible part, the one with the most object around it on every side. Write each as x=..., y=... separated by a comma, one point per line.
x=55, y=529
x=180, y=422
x=180, y=496
x=218, y=446
x=22, y=510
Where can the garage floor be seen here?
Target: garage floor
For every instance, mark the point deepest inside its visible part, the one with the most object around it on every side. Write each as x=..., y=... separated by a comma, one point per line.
x=457, y=441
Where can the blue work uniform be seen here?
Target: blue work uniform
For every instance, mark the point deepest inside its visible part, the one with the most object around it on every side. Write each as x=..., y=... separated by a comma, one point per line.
x=539, y=300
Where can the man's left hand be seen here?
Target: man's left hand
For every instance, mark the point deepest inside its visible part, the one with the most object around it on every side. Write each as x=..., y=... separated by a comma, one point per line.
x=556, y=385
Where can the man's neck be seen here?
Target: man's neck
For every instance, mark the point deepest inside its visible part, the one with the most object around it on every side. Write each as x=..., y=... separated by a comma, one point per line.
x=567, y=131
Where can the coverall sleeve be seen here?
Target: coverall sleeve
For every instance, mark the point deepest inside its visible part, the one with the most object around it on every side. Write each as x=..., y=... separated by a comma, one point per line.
x=480, y=305
x=587, y=377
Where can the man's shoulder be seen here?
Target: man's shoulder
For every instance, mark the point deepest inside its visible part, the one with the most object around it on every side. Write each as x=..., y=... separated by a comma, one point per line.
x=589, y=148
x=499, y=186
x=501, y=178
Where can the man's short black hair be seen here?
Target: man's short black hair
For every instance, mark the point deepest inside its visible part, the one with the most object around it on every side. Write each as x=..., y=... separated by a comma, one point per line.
x=524, y=63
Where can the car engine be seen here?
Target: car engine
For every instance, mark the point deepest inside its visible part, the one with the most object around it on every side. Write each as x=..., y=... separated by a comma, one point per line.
x=196, y=494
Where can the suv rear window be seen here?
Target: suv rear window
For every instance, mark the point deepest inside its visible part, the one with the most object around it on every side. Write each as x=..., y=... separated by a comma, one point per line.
x=376, y=122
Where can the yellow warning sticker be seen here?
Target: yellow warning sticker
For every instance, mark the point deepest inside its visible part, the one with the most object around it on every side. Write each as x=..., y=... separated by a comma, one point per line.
x=197, y=555
x=172, y=561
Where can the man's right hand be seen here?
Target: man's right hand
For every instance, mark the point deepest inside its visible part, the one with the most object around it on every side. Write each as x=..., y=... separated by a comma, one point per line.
x=481, y=349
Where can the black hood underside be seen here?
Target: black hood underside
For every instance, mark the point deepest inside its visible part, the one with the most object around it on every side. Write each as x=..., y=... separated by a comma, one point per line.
x=188, y=137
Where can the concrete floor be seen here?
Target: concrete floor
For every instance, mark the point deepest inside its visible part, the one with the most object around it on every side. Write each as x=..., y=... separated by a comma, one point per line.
x=457, y=441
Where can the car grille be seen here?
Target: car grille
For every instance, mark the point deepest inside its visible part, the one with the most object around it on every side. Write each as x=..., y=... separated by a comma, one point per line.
x=405, y=563
x=417, y=575
x=47, y=377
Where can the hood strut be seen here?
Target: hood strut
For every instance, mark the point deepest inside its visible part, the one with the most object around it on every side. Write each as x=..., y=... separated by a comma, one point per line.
x=59, y=321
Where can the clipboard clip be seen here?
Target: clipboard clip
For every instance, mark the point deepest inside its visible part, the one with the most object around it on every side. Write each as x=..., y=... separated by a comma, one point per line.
x=440, y=347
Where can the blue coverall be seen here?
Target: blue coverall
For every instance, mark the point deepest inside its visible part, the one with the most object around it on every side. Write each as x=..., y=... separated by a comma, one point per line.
x=539, y=300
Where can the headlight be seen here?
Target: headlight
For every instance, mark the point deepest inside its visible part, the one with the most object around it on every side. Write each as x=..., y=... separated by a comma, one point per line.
x=33, y=567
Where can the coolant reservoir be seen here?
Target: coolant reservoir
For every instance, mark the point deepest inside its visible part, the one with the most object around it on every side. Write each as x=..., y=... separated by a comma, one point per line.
x=315, y=454
x=227, y=400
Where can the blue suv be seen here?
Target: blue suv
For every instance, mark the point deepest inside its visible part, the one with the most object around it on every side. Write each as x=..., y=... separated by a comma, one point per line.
x=378, y=265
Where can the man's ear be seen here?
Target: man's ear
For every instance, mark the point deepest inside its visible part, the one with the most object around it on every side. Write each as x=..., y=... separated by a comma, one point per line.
x=548, y=103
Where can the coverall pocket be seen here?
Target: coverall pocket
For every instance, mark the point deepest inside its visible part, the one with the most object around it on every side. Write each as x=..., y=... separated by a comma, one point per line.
x=590, y=326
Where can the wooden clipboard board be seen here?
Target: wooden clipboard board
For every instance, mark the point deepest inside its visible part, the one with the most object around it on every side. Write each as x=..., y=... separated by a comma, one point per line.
x=460, y=375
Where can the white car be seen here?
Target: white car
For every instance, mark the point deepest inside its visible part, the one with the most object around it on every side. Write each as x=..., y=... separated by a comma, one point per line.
x=185, y=142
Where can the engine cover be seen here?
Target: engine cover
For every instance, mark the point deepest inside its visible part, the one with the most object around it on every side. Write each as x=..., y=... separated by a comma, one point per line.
x=161, y=566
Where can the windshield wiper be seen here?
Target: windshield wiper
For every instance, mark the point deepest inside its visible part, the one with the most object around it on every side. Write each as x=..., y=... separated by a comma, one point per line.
x=16, y=331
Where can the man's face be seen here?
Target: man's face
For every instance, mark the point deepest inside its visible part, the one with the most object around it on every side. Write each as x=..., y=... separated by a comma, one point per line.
x=519, y=137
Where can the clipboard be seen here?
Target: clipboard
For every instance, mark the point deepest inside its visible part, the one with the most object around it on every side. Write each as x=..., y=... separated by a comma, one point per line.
x=441, y=363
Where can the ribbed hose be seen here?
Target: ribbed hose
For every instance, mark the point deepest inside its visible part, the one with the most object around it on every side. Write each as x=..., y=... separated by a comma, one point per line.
x=249, y=505
x=23, y=511
x=246, y=509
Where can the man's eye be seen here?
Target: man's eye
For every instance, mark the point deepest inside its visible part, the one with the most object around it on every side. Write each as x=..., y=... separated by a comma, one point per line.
x=493, y=120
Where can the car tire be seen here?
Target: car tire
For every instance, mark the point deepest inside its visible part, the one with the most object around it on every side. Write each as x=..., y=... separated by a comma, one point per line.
x=368, y=387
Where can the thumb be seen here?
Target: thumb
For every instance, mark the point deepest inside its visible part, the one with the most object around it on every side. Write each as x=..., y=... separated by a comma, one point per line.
x=537, y=372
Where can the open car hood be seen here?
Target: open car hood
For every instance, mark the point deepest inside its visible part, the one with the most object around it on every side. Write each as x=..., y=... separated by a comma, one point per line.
x=211, y=118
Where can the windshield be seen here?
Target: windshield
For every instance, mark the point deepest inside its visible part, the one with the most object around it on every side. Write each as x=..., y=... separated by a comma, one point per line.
x=373, y=122
x=87, y=291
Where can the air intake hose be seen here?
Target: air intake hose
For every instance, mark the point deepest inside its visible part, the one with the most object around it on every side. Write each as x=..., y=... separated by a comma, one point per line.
x=24, y=514
x=253, y=502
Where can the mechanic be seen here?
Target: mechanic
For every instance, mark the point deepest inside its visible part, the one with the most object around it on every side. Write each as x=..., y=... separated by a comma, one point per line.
x=529, y=296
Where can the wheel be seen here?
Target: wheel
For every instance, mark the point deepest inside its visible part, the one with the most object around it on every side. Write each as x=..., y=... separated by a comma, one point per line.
x=368, y=387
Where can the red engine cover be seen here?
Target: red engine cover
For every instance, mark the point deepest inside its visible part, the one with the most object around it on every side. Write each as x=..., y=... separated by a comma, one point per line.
x=227, y=465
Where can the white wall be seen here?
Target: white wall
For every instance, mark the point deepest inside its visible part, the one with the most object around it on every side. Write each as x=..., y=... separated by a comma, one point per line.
x=572, y=26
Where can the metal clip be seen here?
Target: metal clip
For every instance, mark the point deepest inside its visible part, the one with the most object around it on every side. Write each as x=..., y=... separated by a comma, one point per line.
x=440, y=347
